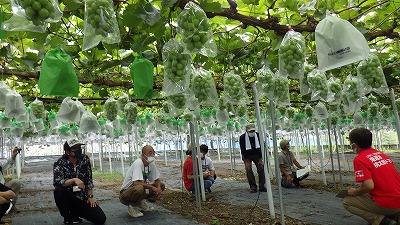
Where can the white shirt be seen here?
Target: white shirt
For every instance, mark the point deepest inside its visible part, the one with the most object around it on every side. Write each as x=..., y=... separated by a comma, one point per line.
x=5, y=166
x=138, y=171
x=206, y=164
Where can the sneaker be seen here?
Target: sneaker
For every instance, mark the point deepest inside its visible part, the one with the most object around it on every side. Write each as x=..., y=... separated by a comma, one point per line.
x=134, y=211
x=76, y=220
x=387, y=221
x=144, y=207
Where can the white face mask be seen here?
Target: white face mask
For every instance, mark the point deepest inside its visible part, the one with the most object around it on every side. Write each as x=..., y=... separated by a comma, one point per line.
x=252, y=134
x=150, y=159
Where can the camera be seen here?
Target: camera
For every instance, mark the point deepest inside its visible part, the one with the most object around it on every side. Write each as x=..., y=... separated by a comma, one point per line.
x=75, y=189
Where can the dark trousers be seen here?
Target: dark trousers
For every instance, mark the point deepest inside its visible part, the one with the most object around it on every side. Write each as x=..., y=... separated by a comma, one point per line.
x=71, y=206
x=3, y=209
x=296, y=180
x=250, y=175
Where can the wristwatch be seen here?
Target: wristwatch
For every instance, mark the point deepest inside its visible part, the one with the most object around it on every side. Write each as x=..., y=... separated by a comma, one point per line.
x=90, y=196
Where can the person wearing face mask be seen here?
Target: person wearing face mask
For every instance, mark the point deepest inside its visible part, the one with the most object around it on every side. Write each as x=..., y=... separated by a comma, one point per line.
x=207, y=165
x=377, y=199
x=251, y=152
x=287, y=161
x=142, y=181
x=73, y=193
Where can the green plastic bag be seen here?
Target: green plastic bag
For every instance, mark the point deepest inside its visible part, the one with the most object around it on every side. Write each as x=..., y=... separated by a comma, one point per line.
x=57, y=76
x=142, y=72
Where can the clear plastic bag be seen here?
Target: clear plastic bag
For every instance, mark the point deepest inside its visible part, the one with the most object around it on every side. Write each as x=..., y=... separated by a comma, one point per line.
x=15, y=106
x=122, y=101
x=131, y=112
x=318, y=85
x=351, y=95
x=4, y=89
x=281, y=89
x=195, y=31
x=37, y=108
x=320, y=111
x=234, y=90
x=111, y=109
x=203, y=87
x=178, y=102
x=32, y=15
x=100, y=24
x=370, y=71
x=335, y=91
x=292, y=54
x=177, y=67
x=304, y=86
x=265, y=82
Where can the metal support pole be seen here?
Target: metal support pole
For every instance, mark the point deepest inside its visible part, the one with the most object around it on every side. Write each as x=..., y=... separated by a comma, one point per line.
x=396, y=114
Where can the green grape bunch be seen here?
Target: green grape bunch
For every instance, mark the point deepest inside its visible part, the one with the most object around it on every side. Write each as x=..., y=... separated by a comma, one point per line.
x=38, y=11
x=37, y=108
x=281, y=88
x=351, y=90
x=195, y=27
x=373, y=110
x=291, y=55
x=99, y=14
x=371, y=72
x=309, y=111
x=131, y=112
x=176, y=63
x=233, y=86
x=188, y=117
x=318, y=84
x=241, y=110
x=111, y=109
x=122, y=101
x=201, y=87
x=177, y=100
x=265, y=81
x=385, y=112
x=291, y=112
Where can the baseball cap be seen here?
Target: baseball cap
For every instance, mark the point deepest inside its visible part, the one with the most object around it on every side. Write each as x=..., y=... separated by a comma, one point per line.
x=283, y=143
x=250, y=127
x=72, y=143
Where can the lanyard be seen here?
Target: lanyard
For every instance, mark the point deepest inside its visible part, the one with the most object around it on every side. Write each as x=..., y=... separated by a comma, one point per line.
x=146, y=175
x=289, y=159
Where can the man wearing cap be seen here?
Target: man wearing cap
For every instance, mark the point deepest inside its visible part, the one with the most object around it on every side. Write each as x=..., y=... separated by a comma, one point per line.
x=142, y=181
x=73, y=184
x=251, y=152
x=286, y=164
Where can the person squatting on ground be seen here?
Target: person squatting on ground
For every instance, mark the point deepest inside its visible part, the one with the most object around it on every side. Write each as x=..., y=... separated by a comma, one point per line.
x=287, y=161
x=142, y=181
x=188, y=174
x=73, y=184
x=207, y=165
x=6, y=194
x=377, y=199
x=14, y=184
x=251, y=152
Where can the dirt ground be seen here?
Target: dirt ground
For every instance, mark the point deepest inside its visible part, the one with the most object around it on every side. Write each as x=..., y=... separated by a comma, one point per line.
x=221, y=206
x=210, y=212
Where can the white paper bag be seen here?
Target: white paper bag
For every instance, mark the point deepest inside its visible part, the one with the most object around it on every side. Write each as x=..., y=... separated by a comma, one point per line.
x=338, y=43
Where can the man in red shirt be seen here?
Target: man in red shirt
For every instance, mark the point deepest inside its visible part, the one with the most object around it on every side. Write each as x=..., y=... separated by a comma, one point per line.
x=377, y=200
